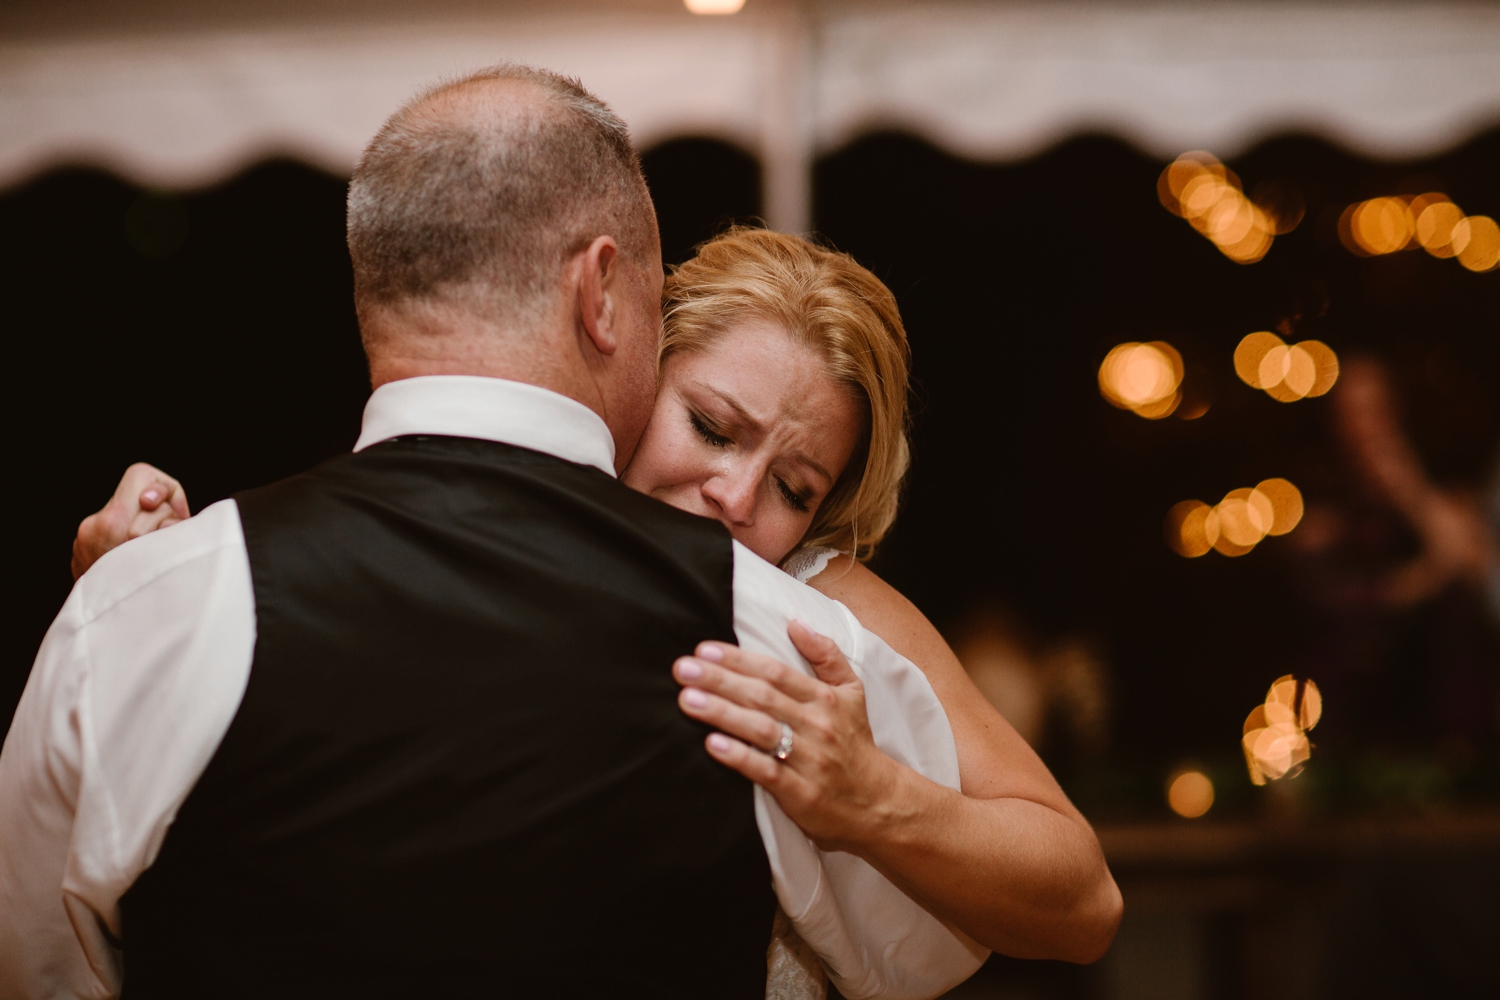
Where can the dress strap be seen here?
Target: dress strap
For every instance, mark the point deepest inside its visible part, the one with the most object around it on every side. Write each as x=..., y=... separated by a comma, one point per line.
x=804, y=564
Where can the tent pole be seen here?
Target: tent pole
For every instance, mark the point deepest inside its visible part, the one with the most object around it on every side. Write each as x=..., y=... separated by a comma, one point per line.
x=786, y=116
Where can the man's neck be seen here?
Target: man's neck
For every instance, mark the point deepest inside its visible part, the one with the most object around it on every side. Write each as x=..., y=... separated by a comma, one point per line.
x=395, y=366
x=436, y=340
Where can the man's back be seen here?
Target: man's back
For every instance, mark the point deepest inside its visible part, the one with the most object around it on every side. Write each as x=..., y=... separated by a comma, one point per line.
x=458, y=765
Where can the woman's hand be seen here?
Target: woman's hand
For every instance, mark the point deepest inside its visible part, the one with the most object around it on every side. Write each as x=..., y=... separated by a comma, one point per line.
x=145, y=500
x=835, y=782
x=1008, y=860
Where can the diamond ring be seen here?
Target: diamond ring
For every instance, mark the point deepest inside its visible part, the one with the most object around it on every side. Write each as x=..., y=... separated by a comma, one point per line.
x=783, y=748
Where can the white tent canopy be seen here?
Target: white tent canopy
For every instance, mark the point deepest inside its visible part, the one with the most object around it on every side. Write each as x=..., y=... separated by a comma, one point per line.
x=171, y=95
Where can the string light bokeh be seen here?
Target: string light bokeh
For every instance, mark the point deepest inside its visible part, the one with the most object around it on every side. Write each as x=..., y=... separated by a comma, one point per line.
x=1286, y=372
x=1237, y=523
x=1200, y=189
x=1430, y=221
x=1147, y=379
x=1275, y=732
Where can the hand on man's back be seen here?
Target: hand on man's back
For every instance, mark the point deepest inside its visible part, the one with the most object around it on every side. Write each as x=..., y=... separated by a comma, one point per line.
x=145, y=500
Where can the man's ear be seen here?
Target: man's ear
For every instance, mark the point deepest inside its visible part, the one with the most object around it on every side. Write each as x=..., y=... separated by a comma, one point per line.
x=599, y=281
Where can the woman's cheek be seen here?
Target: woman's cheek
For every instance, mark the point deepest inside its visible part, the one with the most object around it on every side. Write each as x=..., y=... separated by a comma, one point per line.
x=659, y=464
x=779, y=535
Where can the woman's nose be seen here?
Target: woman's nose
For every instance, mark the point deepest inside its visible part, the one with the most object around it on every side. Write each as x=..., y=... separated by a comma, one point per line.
x=734, y=495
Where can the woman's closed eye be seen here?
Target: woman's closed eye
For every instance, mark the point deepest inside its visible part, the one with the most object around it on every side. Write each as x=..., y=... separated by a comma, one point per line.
x=707, y=433
x=794, y=499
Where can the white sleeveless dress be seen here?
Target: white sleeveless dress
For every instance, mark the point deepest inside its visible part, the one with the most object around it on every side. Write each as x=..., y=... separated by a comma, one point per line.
x=793, y=969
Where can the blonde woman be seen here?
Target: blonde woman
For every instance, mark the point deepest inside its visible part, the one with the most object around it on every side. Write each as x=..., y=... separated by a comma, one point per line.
x=782, y=412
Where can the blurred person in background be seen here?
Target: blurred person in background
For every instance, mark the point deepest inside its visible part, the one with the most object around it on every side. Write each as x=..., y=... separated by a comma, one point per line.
x=1009, y=861
x=1457, y=546
x=1409, y=575
x=1410, y=922
x=1055, y=694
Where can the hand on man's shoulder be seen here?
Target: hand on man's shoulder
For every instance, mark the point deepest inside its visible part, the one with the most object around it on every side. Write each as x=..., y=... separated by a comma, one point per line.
x=123, y=570
x=146, y=499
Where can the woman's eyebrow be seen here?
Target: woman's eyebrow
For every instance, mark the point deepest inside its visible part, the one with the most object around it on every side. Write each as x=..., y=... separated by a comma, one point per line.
x=733, y=404
x=813, y=464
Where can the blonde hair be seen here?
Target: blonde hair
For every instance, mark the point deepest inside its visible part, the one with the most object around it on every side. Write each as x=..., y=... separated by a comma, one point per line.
x=844, y=314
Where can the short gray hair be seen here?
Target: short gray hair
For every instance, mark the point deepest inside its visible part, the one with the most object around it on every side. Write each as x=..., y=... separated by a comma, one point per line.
x=491, y=202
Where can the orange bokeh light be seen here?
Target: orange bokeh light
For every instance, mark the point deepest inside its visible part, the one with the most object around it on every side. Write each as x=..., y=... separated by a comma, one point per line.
x=1244, y=523
x=1274, y=737
x=1312, y=705
x=1286, y=372
x=1200, y=189
x=1382, y=225
x=1435, y=223
x=1286, y=504
x=1175, y=179
x=1325, y=366
x=1476, y=238
x=1236, y=524
x=1142, y=378
x=1190, y=794
x=1251, y=351
x=1192, y=528
x=1431, y=221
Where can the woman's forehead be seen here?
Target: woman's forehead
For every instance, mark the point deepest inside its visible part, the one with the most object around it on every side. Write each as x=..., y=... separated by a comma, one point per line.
x=760, y=367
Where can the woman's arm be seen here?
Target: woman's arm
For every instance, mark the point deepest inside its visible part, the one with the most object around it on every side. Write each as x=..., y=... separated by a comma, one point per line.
x=993, y=760
x=978, y=855
x=1009, y=860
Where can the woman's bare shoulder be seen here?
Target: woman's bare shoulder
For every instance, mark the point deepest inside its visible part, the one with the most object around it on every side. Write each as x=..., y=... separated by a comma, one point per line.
x=993, y=760
x=883, y=610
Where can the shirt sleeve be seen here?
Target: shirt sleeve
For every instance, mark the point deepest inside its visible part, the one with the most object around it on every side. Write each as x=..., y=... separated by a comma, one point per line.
x=873, y=938
x=132, y=691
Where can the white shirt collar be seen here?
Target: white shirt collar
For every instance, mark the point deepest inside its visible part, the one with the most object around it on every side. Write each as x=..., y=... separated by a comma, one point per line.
x=490, y=409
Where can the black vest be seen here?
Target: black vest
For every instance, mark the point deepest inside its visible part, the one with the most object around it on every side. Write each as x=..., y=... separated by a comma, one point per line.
x=459, y=769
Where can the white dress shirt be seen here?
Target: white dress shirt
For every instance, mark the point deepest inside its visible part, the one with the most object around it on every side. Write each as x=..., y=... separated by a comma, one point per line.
x=141, y=674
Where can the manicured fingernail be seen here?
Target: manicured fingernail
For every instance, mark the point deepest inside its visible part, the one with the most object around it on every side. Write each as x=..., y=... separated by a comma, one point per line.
x=694, y=698
x=151, y=496
x=710, y=652
x=689, y=670
x=719, y=742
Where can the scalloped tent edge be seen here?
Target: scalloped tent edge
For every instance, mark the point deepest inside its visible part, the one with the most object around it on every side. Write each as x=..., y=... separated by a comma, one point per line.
x=189, y=107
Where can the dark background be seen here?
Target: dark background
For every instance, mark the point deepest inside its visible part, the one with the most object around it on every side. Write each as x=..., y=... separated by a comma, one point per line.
x=212, y=333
